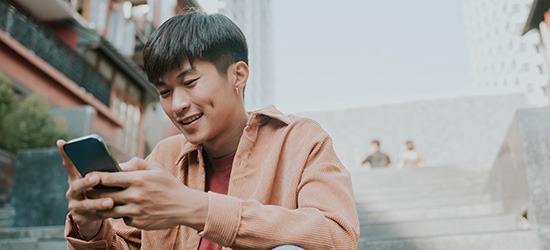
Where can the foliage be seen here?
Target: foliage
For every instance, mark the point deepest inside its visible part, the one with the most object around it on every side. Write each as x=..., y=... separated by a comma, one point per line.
x=28, y=124
x=8, y=99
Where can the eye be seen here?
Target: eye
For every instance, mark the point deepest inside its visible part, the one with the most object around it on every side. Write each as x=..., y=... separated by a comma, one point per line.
x=163, y=93
x=190, y=82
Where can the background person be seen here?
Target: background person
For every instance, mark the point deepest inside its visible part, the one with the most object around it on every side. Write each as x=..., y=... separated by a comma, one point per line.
x=377, y=159
x=409, y=157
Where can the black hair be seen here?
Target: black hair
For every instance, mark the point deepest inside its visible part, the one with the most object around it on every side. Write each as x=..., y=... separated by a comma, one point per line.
x=194, y=35
x=377, y=142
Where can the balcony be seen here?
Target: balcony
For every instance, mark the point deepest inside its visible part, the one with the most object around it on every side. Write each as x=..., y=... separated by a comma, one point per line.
x=46, y=45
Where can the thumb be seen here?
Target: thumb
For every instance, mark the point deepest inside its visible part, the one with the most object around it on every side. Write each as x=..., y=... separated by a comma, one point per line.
x=72, y=172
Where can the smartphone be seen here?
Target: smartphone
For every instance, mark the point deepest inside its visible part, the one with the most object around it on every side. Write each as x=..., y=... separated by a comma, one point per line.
x=90, y=153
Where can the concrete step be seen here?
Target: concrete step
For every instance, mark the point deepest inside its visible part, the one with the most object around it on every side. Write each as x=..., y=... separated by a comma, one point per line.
x=420, y=194
x=5, y=212
x=425, y=170
x=51, y=237
x=431, y=213
x=32, y=244
x=405, y=174
x=417, y=179
x=509, y=240
x=39, y=233
x=419, y=190
x=368, y=184
x=444, y=227
x=413, y=177
x=428, y=202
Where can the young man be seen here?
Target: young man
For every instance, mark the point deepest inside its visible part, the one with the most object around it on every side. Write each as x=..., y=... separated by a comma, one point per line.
x=239, y=180
x=377, y=159
x=409, y=157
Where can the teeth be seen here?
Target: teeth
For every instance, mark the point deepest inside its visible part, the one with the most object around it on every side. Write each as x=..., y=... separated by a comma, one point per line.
x=192, y=119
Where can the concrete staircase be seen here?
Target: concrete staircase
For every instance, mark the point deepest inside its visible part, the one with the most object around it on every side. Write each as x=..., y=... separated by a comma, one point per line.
x=33, y=238
x=437, y=208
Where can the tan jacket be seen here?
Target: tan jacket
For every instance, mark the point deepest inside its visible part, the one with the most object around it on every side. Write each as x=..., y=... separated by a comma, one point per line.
x=287, y=186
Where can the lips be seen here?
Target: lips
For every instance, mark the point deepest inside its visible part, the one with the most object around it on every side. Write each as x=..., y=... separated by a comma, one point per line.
x=190, y=119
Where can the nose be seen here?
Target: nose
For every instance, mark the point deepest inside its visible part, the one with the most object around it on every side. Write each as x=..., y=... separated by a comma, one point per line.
x=180, y=101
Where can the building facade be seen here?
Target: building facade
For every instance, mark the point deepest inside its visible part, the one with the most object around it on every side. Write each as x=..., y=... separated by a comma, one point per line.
x=78, y=55
x=254, y=19
x=502, y=60
x=539, y=21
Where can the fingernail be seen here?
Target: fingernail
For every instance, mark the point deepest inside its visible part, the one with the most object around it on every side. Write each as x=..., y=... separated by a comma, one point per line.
x=93, y=179
x=106, y=203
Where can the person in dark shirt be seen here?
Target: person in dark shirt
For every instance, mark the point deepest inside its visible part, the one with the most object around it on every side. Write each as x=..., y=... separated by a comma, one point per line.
x=377, y=159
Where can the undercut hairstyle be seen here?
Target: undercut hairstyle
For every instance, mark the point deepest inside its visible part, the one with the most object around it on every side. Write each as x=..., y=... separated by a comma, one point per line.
x=194, y=35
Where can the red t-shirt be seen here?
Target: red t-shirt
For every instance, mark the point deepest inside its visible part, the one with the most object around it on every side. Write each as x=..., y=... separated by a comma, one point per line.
x=218, y=172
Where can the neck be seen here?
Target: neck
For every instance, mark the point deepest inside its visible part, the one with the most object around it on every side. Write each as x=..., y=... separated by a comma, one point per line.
x=228, y=143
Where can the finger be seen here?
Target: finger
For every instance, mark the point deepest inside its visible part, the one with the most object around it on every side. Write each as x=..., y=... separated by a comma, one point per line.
x=91, y=205
x=78, y=187
x=135, y=164
x=72, y=172
x=132, y=178
x=118, y=179
x=106, y=192
x=119, y=211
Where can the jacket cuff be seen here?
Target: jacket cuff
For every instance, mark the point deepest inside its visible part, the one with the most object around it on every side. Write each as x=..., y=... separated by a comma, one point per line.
x=74, y=242
x=223, y=219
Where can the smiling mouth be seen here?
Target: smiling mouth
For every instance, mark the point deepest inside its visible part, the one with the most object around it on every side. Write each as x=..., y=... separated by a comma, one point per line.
x=191, y=119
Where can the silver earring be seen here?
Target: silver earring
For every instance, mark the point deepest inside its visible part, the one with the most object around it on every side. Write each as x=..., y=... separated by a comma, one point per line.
x=237, y=90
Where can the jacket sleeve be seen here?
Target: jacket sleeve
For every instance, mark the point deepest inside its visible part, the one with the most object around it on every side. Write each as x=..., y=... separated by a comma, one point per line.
x=121, y=238
x=326, y=217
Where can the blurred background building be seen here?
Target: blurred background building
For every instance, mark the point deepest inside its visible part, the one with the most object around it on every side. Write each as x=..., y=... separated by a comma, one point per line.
x=254, y=18
x=539, y=20
x=502, y=60
x=85, y=58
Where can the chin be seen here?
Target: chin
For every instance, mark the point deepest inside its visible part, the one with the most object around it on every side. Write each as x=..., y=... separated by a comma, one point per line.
x=193, y=139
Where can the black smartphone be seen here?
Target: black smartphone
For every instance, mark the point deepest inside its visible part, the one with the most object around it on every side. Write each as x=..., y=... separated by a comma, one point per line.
x=90, y=153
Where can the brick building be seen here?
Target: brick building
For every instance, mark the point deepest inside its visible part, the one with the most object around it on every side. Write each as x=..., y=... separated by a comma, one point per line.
x=78, y=55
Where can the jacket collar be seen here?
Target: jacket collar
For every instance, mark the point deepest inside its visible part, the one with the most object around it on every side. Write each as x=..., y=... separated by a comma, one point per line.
x=257, y=119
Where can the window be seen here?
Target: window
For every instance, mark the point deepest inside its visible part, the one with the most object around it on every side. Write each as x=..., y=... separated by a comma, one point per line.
x=525, y=67
x=105, y=69
x=90, y=57
x=126, y=106
x=97, y=16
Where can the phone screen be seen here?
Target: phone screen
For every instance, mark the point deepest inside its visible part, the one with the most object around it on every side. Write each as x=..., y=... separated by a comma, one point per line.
x=90, y=153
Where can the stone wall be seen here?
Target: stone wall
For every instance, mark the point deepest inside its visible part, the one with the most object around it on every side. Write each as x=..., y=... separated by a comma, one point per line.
x=40, y=183
x=464, y=130
x=7, y=164
x=520, y=175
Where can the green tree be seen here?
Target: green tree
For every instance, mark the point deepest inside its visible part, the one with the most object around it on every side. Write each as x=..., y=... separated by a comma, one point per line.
x=28, y=124
x=8, y=99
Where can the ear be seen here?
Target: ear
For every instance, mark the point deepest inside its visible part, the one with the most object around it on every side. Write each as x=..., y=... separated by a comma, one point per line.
x=241, y=74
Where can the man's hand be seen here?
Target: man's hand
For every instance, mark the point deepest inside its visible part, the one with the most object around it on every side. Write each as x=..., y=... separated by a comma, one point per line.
x=151, y=198
x=83, y=210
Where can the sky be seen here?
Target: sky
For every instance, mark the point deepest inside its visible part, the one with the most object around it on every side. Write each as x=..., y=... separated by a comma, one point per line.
x=331, y=54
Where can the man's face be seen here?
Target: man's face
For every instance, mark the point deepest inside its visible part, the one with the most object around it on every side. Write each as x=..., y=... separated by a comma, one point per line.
x=199, y=101
x=374, y=147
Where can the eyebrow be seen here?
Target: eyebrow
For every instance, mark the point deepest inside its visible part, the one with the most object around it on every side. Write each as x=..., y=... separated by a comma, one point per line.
x=185, y=72
x=180, y=75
